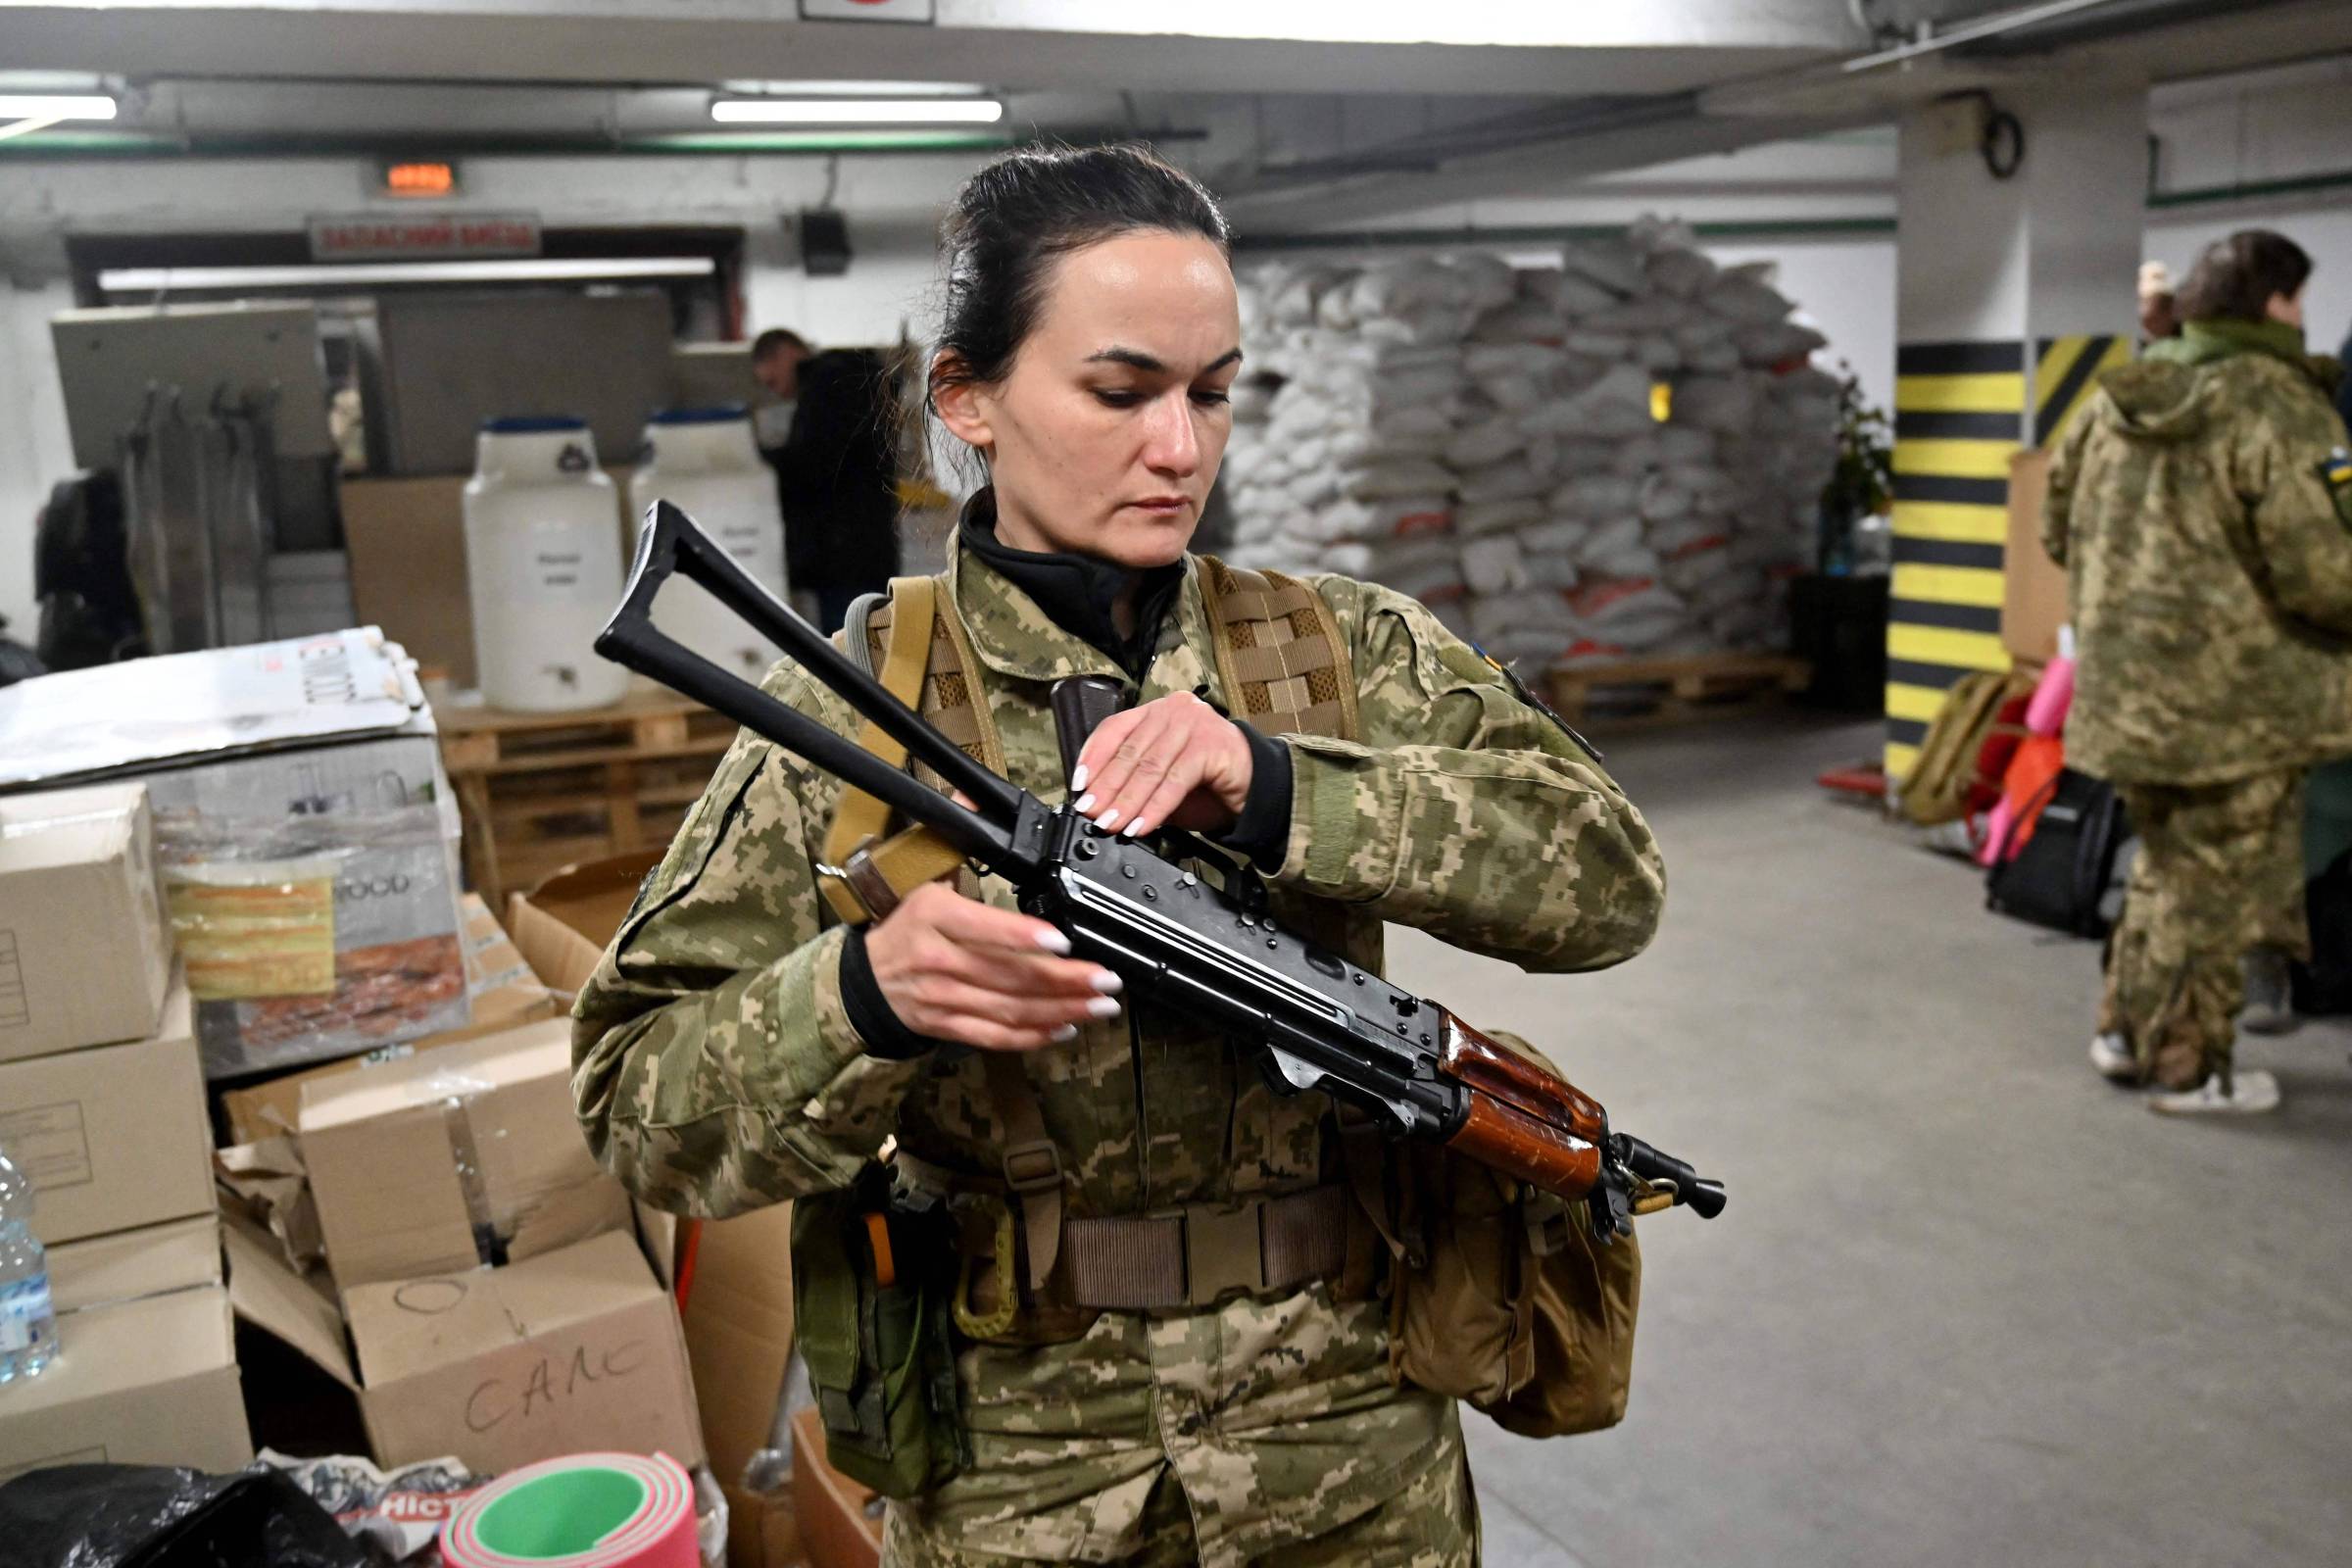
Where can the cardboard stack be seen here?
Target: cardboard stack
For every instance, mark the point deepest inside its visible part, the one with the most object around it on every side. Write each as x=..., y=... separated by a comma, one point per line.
x=305, y=827
x=102, y=1107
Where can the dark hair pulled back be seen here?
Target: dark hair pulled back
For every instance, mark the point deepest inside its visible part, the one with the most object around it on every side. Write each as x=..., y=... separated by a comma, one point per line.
x=2236, y=277
x=1014, y=219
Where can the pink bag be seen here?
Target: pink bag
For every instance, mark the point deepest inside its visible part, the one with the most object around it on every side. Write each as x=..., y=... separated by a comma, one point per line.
x=2045, y=715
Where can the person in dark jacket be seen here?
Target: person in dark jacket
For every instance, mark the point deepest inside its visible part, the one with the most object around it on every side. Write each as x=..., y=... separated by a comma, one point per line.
x=837, y=479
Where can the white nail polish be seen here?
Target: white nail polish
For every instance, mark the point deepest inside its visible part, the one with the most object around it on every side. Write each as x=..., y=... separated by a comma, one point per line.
x=1102, y=1007
x=1109, y=984
x=1065, y=1034
x=1054, y=940
x=1085, y=803
x=1138, y=828
x=1078, y=779
x=1108, y=820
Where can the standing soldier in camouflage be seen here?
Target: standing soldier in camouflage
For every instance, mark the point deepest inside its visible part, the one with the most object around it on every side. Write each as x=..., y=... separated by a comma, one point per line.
x=738, y=1046
x=2200, y=505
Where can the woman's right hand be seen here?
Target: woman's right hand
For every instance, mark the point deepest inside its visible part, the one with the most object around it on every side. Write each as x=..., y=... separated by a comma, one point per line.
x=955, y=968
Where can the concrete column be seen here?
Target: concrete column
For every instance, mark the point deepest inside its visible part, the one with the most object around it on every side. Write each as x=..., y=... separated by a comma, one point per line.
x=2011, y=295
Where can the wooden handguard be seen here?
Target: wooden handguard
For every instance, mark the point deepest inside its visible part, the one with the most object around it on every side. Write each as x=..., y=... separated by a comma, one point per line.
x=1505, y=1139
x=1521, y=1081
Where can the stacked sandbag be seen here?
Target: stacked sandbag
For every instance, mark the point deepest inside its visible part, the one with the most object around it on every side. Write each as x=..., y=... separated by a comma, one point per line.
x=1354, y=377
x=1488, y=438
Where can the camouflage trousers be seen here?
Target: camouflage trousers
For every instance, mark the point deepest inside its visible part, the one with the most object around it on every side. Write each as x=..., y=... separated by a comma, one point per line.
x=2220, y=873
x=1430, y=1522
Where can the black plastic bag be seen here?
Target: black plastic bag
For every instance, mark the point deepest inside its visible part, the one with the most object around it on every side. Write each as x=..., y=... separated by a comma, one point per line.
x=151, y=1516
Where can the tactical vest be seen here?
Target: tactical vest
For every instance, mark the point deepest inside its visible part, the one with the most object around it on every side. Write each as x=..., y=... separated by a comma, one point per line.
x=1283, y=668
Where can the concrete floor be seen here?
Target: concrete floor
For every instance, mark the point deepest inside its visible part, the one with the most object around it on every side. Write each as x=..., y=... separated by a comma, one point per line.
x=1970, y=1305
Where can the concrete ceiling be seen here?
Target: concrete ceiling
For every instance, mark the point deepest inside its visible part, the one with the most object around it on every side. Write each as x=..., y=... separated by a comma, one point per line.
x=1330, y=46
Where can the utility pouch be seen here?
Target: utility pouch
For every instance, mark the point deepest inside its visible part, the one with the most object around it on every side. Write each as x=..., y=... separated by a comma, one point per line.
x=872, y=1294
x=1499, y=1295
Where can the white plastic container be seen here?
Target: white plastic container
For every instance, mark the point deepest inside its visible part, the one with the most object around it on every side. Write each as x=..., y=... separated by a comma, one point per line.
x=543, y=560
x=704, y=462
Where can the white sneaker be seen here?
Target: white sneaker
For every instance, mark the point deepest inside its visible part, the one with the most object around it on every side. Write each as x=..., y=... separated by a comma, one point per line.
x=2114, y=1059
x=2250, y=1095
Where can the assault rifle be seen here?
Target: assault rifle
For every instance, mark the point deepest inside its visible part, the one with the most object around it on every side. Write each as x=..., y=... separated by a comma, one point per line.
x=1173, y=938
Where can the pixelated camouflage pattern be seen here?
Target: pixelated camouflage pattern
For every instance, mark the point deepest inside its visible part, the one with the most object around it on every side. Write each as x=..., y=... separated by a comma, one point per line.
x=2219, y=872
x=715, y=1071
x=2210, y=574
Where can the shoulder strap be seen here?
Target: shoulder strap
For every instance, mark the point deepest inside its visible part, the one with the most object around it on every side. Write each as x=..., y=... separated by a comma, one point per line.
x=1280, y=657
x=860, y=819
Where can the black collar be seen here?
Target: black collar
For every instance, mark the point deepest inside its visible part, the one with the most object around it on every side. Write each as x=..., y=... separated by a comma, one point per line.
x=1077, y=591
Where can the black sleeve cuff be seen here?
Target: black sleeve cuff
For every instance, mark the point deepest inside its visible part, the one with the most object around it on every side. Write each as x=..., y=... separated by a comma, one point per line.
x=1264, y=829
x=869, y=1010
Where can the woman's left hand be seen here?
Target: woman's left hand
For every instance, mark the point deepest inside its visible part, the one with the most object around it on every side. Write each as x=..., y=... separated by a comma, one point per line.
x=1175, y=762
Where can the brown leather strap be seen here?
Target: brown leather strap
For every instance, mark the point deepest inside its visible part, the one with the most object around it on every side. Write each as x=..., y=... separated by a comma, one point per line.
x=1280, y=657
x=1200, y=1254
x=1032, y=1165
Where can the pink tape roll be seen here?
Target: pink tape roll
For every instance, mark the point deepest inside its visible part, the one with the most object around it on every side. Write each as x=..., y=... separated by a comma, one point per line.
x=585, y=1510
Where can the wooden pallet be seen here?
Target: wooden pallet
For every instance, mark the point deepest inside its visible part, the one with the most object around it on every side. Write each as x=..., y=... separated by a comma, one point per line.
x=1665, y=690
x=541, y=791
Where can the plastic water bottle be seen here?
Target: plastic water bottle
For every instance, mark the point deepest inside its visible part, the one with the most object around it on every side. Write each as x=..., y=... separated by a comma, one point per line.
x=28, y=1324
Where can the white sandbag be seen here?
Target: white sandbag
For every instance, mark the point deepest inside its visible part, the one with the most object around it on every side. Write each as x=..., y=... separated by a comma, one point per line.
x=1508, y=359
x=1500, y=481
x=1512, y=393
x=1608, y=346
x=1691, y=536
x=1551, y=569
x=1679, y=447
x=1611, y=265
x=1493, y=565
x=1682, y=273
x=1612, y=538
x=1594, y=497
x=1716, y=401
x=1486, y=279
x=1427, y=567
x=1636, y=614
x=1489, y=441
x=1565, y=535
x=1503, y=516
x=1617, y=403
x=1658, y=356
x=1543, y=456
x=1637, y=317
x=1386, y=518
x=1741, y=295
x=1575, y=297
x=1712, y=358
x=1364, y=448
x=1663, y=501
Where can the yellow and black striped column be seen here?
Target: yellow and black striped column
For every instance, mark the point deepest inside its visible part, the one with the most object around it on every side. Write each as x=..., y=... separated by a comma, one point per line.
x=1959, y=415
x=2065, y=371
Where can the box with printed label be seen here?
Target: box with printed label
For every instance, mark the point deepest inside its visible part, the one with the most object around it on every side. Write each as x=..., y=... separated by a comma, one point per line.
x=453, y=1157
x=83, y=955
x=504, y=993
x=305, y=827
x=113, y=1137
x=152, y=1380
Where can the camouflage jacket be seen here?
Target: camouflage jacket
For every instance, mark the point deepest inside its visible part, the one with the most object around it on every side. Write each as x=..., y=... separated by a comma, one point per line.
x=715, y=1070
x=2210, y=572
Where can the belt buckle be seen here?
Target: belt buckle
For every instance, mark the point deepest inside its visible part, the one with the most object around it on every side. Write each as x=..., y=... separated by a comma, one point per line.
x=1042, y=1162
x=1224, y=1253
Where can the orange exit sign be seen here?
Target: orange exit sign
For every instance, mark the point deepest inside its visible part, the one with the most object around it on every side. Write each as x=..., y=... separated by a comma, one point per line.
x=421, y=179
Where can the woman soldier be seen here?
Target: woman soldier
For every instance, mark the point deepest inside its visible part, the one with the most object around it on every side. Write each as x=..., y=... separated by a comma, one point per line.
x=739, y=1047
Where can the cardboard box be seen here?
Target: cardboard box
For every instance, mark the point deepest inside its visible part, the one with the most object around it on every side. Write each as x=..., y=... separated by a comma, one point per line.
x=455, y=1157
x=178, y=1254
x=149, y=1381
x=406, y=541
x=84, y=957
x=840, y=1521
x=307, y=833
x=738, y=1319
x=114, y=1137
x=564, y=925
x=267, y=1184
x=762, y=1529
x=503, y=993
x=2033, y=602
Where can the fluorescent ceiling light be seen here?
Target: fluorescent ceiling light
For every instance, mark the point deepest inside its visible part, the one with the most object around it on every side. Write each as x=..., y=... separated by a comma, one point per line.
x=856, y=111
x=854, y=89
x=56, y=106
x=167, y=280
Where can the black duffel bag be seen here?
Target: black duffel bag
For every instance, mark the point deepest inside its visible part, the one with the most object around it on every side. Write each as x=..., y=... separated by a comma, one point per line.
x=2060, y=876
